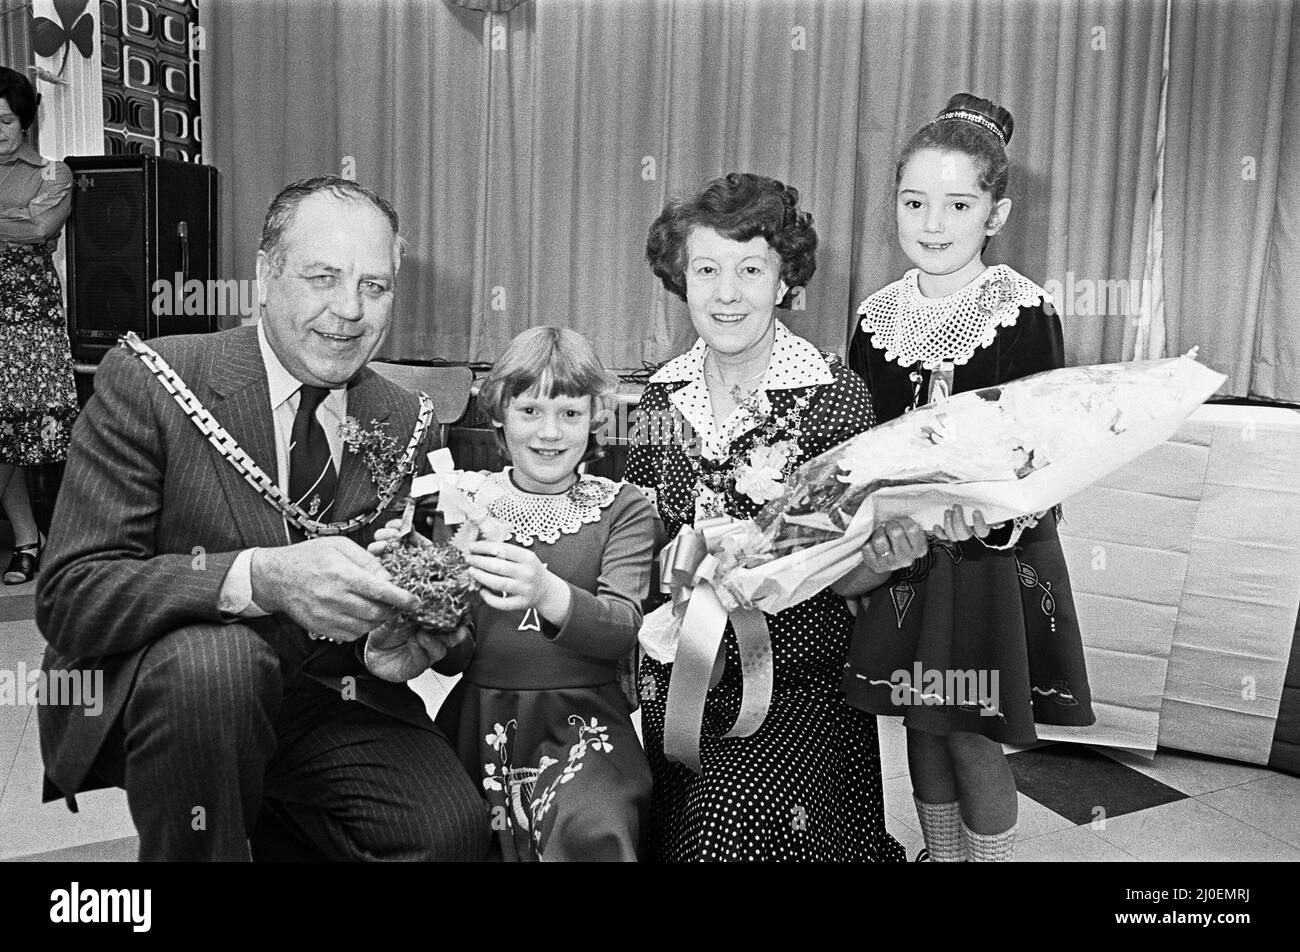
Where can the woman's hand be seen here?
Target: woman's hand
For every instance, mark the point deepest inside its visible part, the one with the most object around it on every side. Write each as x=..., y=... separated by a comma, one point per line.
x=893, y=545
x=399, y=651
x=956, y=529
x=513, y=578
x=388, y=533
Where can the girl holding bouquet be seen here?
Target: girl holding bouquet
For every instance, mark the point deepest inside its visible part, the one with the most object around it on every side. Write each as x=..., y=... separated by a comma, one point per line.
x=539, y=717
x=993, y=611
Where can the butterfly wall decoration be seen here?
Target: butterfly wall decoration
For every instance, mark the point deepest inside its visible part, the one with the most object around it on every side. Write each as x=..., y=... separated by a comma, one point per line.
x=76, y=27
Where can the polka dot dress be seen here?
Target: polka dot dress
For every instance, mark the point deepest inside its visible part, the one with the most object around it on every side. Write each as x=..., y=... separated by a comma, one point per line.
x=807, y=785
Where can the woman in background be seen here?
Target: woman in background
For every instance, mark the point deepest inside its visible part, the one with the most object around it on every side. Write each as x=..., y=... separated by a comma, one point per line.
x=38, y=398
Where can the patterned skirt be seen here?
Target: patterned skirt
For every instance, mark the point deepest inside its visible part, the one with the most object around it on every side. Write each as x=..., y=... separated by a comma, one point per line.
x=562, y=770
x=975, y=639
x=38, y=395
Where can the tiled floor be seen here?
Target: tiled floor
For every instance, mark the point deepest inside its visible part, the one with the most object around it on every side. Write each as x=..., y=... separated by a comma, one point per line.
x=1076, y=804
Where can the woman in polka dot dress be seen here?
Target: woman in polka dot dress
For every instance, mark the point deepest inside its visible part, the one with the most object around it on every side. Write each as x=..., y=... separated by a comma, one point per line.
x=718, y=427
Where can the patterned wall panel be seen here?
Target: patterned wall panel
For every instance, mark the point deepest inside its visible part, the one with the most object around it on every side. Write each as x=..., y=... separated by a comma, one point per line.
x=151, y=76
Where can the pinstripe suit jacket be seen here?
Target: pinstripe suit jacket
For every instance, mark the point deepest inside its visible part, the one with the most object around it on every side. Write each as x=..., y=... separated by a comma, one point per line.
x=149, y=519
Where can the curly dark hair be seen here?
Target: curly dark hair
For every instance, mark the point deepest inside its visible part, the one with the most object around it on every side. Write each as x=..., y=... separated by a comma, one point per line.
x=958, y=135
x=739, y=206
x=16, y=89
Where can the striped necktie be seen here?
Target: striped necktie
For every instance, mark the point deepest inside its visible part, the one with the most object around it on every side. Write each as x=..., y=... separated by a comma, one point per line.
x=312, y=478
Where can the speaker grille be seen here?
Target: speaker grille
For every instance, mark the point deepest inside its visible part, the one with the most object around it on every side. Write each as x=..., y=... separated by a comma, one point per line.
x=110, y=213
x=124, y=238
x=117, y=293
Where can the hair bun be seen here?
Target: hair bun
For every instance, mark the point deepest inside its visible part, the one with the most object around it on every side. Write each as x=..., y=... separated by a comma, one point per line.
x=989, y=110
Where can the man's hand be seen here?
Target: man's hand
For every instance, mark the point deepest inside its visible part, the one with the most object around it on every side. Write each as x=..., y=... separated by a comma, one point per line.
x=401, y=651
x=330, y=586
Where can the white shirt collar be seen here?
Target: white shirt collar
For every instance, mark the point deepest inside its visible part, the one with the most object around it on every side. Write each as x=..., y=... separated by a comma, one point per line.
x=26, y=153
x=795, y=363
x=283, y=385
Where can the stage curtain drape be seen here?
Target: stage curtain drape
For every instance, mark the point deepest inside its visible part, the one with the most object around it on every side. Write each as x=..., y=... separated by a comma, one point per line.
x=1232, y=192
x=1082, y=80
x=528, y=151
x=389, y=93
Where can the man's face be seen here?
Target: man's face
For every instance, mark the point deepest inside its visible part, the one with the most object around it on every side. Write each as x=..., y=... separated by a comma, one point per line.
x=327, y=306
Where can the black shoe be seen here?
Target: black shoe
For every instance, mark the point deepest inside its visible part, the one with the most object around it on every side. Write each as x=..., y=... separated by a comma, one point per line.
x=23, y=565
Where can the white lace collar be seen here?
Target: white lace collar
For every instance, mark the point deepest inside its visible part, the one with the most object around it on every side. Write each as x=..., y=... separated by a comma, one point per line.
x=541, y=516
x=795, y=363
x=911, y=328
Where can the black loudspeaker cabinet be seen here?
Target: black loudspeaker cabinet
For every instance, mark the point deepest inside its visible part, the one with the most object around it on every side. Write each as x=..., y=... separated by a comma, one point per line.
x=136, y=221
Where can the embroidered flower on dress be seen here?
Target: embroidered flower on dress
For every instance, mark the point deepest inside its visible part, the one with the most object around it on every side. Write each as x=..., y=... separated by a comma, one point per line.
x=591, y=736
x=601, y=739
x=996, y=293
x=586, y=493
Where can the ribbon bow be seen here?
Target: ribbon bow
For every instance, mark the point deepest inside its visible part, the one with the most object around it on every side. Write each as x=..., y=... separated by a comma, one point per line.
x=687, y=570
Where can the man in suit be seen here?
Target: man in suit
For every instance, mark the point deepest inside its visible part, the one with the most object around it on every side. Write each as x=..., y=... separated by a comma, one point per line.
x=230, y=643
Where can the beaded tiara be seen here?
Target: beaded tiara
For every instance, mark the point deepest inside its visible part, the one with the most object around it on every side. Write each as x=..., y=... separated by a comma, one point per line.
x=967, y=115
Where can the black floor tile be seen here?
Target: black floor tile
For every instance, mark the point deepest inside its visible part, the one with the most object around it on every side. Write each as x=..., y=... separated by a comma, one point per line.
x=1075, y=781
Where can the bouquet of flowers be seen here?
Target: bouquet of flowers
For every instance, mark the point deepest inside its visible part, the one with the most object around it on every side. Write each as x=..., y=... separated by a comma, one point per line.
x=1009, y=451
x=438, y=575
x=435, y=573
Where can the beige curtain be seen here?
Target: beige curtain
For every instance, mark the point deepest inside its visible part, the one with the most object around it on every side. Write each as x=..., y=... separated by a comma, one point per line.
x=529, y=150
x=1083, y=83
x=600, y=111
x=1232, y=192
x=387, y=93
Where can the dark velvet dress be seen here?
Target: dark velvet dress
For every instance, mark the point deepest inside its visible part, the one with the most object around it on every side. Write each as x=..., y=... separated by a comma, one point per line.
x=966, y=615
x=806, y=785
x=539, y=718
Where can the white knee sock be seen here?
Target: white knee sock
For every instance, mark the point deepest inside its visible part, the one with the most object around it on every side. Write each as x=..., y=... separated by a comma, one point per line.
x=941, y=828
x=990, y=847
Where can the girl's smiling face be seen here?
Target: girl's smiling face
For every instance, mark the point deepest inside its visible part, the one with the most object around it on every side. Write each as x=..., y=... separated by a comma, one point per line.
x=944, y=217
x=547, y=438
